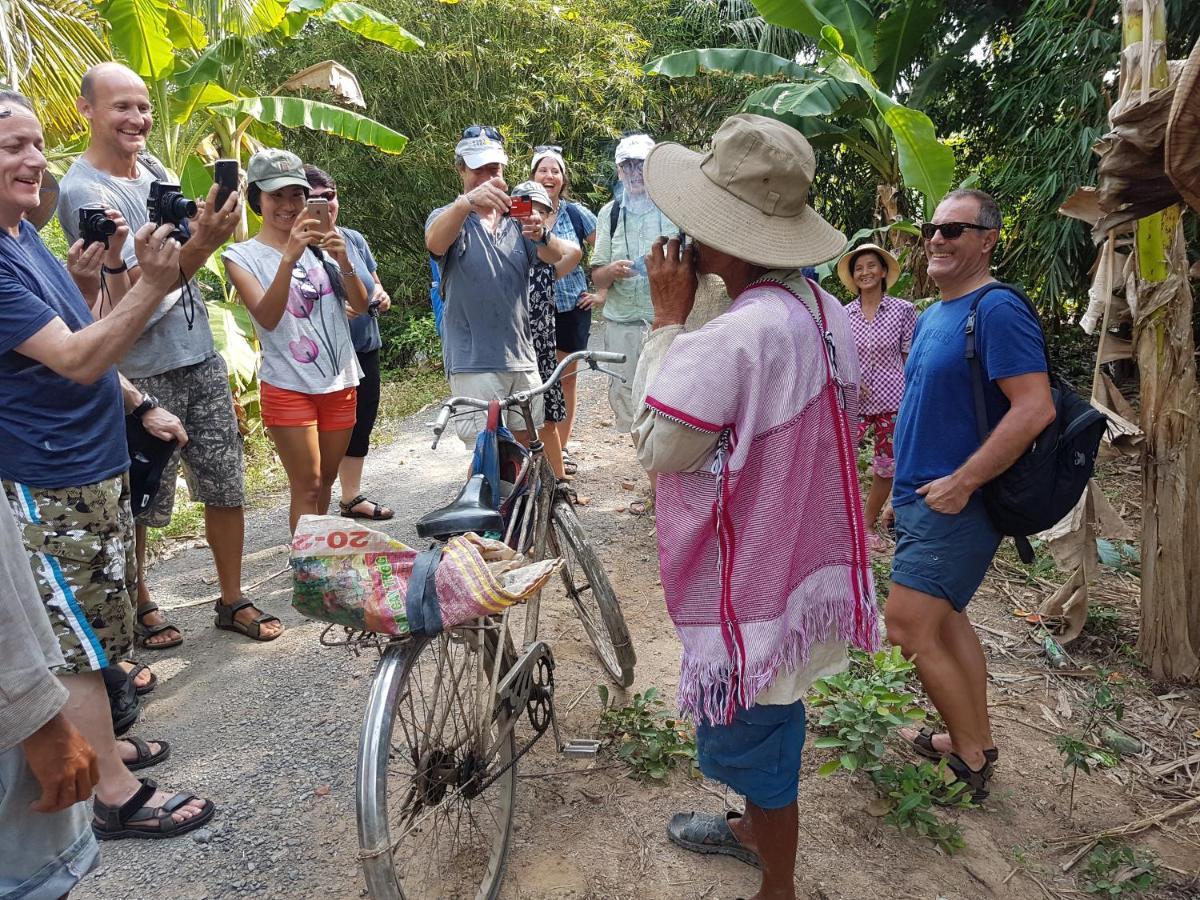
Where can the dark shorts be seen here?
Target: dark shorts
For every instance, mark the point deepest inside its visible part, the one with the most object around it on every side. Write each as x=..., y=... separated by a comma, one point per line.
x=943, y=555
x=757, y=754
x=572, y=329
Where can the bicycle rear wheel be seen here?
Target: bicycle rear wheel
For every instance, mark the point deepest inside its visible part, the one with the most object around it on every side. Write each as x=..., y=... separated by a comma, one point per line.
x=592, y=593
x=427, y=825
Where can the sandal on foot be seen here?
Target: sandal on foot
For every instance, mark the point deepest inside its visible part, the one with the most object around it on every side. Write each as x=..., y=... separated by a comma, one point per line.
x=975, y=779
x=225, y=619
x=570, y=466
x=922, y=743
x=709, y=833
x=133, y=819
x=138, y=669
x=641, y=507
x=378, y=512
x=564, y=491
x=145, y=756
x=145, y=631
x=123, y=702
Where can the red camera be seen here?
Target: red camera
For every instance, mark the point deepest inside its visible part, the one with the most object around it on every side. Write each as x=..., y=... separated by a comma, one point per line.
x=521, y=207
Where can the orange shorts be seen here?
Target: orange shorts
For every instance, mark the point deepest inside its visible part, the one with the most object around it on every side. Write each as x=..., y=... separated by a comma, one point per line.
x=282, y=408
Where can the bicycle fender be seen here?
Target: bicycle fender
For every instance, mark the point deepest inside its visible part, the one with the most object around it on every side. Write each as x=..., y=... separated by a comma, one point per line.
x=421, y=602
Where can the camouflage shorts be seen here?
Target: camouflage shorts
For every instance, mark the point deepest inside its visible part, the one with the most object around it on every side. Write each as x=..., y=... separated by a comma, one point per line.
x=212, y=459
x=80, y=546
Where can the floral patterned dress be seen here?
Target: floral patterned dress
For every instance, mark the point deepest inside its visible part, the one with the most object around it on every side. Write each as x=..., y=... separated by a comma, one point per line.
x=541, y=327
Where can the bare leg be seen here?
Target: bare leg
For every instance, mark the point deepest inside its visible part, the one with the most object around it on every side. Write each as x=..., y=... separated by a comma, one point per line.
x=915, y=623
x=143, y=593
x=773, y=834
x=225, y=527
x=350, y=477
x=87, y=709
x=569, y=381
x=962, y=641
x=881, y=489
x=332, y=446
x=549, y=435
x=300, y=454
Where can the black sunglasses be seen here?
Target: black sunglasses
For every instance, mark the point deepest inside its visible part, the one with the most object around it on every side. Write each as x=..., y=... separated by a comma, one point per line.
x=474, y=131
x=950, y=230
x=548, y=148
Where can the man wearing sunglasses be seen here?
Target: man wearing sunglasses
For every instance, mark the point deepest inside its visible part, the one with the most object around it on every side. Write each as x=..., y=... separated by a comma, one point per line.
x=485, y=255
x=944, y=538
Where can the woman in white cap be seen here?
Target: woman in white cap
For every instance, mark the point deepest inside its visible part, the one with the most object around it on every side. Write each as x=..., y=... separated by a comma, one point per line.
x=573, y=223
x=296, y=280
x=883, y=332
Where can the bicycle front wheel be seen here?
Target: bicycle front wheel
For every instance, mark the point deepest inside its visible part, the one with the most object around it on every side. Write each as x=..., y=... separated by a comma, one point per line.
x=592, y=593
x=429, y=823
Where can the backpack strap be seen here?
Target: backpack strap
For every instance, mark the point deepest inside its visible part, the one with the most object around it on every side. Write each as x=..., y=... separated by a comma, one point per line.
x=155, y=167
x=576, y=221
x=614, y=215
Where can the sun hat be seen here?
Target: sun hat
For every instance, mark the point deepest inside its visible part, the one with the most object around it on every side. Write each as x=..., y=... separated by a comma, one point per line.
x=481, y=151
x=535, y=192
x=44, y=212
x=846, y=263
x=547, y=153
x=634, y=146
x=1182, y=147
x=748, y=195
x=272, y=169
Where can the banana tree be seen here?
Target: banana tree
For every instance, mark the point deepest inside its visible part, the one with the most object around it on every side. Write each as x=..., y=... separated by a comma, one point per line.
x=849, y=97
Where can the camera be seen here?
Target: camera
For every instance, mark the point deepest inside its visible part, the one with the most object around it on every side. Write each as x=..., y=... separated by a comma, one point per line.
x=167, y=206
x=95, y=227
x=521, y=207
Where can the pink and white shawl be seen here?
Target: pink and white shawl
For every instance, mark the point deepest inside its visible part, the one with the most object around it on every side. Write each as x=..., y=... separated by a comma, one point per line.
x=765, y=553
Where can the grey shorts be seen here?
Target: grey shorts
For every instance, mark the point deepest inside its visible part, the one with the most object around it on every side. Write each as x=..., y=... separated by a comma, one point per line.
x=495, y=385
x=212, y=460
x=42, y=855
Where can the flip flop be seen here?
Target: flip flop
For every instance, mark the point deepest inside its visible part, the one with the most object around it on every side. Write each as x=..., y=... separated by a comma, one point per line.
x=709, y=833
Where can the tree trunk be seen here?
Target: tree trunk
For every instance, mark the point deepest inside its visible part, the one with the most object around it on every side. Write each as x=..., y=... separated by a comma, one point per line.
x=1169, y=641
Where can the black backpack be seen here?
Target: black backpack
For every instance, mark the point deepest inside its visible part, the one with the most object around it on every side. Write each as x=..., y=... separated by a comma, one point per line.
x=1048, y=479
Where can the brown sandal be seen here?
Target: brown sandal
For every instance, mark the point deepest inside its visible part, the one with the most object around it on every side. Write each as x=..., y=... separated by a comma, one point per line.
x=133, y=819
x=145, y=631
x=225, y=619
x=379, y=513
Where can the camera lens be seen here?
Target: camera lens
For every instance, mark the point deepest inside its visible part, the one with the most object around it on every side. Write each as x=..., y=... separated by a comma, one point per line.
x=104, y=225
x=177, y=207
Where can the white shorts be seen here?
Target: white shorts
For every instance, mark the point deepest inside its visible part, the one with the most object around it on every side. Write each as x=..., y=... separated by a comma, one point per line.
x=495, y=386
x=627, y=338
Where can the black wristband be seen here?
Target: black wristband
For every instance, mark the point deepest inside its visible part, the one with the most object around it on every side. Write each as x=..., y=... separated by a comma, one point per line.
x=148, y=403
x=124, y=267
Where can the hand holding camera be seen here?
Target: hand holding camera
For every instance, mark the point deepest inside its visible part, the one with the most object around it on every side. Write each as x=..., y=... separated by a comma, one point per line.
x=491, y=196
x=305, y=233
x=157, y=253
x=218, y=214
x=102, y=234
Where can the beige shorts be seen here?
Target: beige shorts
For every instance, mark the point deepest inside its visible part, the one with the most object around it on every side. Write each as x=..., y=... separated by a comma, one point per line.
x=627, y=338
x=494, y=386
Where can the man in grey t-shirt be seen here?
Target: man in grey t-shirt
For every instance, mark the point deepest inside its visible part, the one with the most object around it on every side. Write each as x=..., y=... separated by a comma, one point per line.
x=485, y=258
x=174, y=362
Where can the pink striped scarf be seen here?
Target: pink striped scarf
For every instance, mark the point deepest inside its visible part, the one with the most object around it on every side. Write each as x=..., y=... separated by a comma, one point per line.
x=765, y=553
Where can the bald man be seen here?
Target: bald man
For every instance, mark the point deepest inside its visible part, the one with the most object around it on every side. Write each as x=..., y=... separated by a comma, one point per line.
x=174, y=361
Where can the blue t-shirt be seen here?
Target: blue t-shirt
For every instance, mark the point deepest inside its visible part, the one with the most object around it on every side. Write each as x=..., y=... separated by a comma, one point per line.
x=364, y=329
x=935, y=429
x=568, y=288
x=55, y=432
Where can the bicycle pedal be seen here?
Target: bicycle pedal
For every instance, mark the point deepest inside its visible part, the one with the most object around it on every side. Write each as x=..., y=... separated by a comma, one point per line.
x=580, y=747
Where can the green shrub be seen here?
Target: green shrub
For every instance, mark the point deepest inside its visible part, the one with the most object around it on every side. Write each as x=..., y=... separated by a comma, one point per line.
x=648, y=740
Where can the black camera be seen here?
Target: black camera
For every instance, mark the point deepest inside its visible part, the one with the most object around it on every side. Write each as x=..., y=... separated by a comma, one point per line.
x=95, y=227
x=167, y=206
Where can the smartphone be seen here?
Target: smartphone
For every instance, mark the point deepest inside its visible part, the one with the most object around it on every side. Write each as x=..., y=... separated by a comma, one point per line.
x=318, y=208
x=521, y=207
x=225, y=173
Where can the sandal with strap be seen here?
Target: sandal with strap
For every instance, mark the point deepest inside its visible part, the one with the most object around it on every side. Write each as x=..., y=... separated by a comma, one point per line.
x=378, y=513
x=138, y=669
x=570, y=466
x=225, y=620
x=124, y=705
x=922, y=743
x=133, y=819
x=710, y=833
x=975, y=779
x=145, y=631
x=145, y=756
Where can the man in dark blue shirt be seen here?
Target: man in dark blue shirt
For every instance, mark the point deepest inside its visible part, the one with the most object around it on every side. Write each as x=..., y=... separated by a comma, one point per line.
x=944, y=538
x=63, y=469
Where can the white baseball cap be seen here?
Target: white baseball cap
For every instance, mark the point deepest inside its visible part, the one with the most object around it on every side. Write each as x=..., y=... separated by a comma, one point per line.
x=634, y=146
x=481, y=151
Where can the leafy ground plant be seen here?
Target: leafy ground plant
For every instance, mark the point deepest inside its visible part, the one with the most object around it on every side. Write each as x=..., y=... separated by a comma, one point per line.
x=861, y=706
x=914, y=790
x=1118, y=870
x=647, y=738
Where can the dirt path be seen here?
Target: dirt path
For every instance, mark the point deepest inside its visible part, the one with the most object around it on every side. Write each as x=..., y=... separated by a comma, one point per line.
x=270, y=732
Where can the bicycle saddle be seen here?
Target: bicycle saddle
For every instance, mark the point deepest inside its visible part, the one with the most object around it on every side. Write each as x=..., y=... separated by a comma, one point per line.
x=471, y=510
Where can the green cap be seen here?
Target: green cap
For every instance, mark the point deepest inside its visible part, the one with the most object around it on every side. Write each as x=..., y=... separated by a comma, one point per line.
x=273, y=169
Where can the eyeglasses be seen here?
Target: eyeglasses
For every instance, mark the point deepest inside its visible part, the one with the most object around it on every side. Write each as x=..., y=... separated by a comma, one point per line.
x=548, y=148
x=474, y=131
x=950, y=230
x=330, y=195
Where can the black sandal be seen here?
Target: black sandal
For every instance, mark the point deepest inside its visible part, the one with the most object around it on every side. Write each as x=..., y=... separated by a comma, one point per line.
x=923, y=744
x=225, y=620
x=380, y=512
x=124, y=705
x=133, y=819
x=975, y=779
x=710, y=833
x=145, y=631
x=570, y=466
x=145, y=756
x=138, y=669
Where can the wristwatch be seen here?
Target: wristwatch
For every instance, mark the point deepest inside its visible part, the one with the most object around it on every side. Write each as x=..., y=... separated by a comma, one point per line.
x=544, y=240
x=148, y=403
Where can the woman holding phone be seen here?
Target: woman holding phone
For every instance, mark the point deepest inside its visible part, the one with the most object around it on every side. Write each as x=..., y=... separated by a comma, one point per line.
x=297, y=281
x=364, y=330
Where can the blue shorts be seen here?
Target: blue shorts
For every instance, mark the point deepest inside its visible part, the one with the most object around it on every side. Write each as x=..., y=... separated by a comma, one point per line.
x=572, y=329
x=943, y=555
x=757, y=754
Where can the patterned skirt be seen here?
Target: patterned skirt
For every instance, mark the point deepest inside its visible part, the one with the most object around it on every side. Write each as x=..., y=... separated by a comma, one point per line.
x=541, y=325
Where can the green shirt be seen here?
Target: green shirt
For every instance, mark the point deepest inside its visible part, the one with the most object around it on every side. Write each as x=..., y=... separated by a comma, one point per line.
x=629, y=298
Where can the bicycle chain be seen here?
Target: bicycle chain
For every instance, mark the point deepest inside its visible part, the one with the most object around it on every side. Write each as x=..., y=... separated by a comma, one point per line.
x=534, y=693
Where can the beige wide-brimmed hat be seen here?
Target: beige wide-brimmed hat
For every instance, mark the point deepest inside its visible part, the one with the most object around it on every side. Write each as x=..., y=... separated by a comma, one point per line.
x=748, y=195
x=1182, y=146
x=846, y=263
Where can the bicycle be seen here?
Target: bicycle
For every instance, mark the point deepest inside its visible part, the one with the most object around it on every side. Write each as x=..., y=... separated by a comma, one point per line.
x=435, y=804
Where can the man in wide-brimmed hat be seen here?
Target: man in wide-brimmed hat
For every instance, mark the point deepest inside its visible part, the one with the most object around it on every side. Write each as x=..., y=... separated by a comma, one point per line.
x=748, y=423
